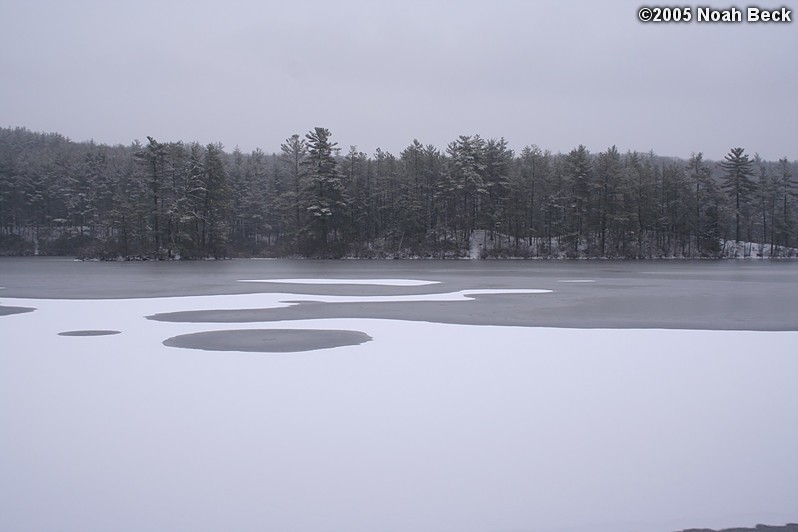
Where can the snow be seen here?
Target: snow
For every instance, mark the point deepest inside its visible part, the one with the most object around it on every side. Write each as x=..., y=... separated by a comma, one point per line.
x=754, y=250
x=476, y=242
x=373, y=282
x=428, y=427
x=576, y=281
x=498, y=244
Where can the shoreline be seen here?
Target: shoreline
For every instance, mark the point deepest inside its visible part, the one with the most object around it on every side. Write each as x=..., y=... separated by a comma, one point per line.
x=789, y=527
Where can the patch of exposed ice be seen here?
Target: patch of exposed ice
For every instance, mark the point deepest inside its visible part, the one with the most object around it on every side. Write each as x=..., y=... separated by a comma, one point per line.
x=88, y=333
x=372, y=282
x=499, y=291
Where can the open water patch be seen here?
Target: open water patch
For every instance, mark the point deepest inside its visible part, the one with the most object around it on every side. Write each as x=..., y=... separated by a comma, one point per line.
x=268, y=340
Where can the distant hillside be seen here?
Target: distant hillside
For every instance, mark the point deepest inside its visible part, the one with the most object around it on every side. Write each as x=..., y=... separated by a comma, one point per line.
x=474, y=198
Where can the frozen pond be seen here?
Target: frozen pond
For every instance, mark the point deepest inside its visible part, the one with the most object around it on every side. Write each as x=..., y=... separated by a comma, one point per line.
x=469, y=396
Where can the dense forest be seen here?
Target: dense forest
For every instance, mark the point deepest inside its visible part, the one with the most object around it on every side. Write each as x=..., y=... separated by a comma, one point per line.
x=163, y=200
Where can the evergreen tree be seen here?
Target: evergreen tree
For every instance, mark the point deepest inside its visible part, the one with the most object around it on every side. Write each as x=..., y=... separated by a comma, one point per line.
x=498, y=162
x=323, y=195
x=259, y=202
x=217, y=203
x=293, y=153
x=467, y=180
x=608, y=170
x=356, y=177
x=786, y=188
x=737, y=183
x=529, y=185
x=579, y=173
x=417, y=189
x=699, y=173
x=153, y=156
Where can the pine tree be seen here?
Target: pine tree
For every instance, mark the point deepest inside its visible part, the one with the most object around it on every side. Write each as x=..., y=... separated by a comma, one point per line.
x=786, y=190
x=608, y=169
x=498, y=162
x=699, y=173
x=153, y=157
x=737, y=182
x=217, y=202
x=467, y=180
x=579, y=171
x=357, y=190
x=323, y=197
x=293, y=153
x=526, y=214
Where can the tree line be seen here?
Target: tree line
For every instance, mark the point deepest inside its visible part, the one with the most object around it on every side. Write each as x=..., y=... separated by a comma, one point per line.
x=162, y=200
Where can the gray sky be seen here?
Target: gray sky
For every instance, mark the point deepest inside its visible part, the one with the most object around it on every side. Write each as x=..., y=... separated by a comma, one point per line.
x=379, y=74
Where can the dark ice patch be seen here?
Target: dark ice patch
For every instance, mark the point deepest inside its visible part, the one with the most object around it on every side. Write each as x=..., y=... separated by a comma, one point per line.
x=268, y=340
x=589, y=305
x=8, y=311
x=88, y=333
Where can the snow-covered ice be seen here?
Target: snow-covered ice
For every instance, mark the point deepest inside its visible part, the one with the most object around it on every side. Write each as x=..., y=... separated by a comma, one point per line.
x=428, y=427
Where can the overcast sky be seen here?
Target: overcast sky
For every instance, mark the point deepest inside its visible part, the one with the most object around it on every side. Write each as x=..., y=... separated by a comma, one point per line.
x=379, y=74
